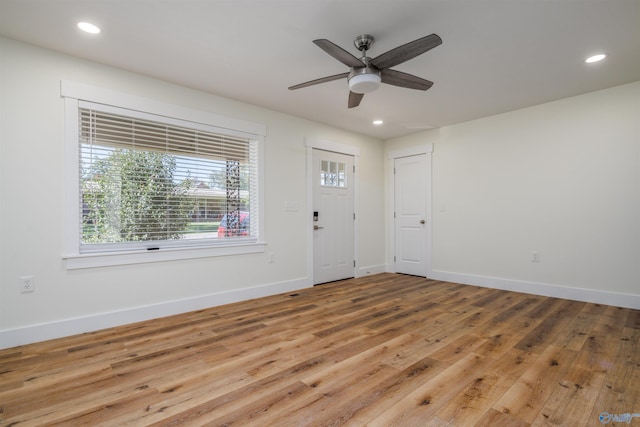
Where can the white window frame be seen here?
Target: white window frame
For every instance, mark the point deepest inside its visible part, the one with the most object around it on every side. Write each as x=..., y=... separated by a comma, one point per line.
x=73, y=95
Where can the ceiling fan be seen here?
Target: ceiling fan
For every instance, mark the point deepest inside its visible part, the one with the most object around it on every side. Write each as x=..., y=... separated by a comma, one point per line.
x=367, y=74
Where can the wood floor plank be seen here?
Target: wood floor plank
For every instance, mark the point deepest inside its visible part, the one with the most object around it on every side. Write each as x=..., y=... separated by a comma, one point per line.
x=380, y=350
x=379, y=398
x=180, y=394
x=126, y=410
x=621, y=392
x=424, y=402
x=530, y=392
x=338, y=404
x=633, y=320
x=573, y=397
x=494, y=418
x=581, y=327
x=470, y=405
x=553, y=324
x=268, y=410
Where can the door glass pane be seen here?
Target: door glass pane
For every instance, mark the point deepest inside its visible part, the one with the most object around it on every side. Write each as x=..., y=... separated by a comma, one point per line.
x=324, y=170
x=332, y=174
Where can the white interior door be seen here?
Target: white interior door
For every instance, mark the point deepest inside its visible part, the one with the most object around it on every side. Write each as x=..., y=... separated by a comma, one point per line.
x=333, y=252
x=410, y=205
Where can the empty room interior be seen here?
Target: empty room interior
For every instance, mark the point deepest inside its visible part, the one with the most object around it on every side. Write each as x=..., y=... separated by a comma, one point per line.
x=320, y=212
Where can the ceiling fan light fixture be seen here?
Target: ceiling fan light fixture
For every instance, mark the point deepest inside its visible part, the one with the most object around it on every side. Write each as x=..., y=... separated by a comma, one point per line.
x=364, y=83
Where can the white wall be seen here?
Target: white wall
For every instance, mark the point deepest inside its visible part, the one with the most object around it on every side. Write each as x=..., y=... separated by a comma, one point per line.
x=561, y=178
x=32, y=199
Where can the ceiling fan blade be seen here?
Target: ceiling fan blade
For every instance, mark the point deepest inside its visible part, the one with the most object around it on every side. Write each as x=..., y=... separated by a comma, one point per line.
x=338, y=53
x=354, y=99
x=318, y=81
x=406, y=52
x=398, y=78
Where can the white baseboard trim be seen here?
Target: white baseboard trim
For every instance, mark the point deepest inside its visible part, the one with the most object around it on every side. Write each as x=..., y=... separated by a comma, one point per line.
x=544, y=289
x=370, y=270
x=78, y=325
x=62, y=328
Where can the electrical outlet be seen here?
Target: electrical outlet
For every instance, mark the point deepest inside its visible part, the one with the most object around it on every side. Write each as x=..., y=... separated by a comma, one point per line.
x=27, y=284
x=535, y=256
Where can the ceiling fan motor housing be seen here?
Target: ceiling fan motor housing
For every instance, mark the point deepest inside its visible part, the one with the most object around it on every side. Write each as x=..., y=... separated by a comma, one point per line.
x=363, y=42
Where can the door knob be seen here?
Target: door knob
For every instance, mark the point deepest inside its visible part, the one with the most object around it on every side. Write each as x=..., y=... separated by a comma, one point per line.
x=422, y=221
x=315, y=227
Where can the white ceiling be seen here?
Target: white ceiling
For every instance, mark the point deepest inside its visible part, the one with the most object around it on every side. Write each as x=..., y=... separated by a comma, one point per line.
x=496, y=56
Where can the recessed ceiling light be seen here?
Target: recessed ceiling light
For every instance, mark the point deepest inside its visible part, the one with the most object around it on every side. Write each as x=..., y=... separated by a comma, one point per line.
x=88, y=28
x=378, y=122
x=595, y=58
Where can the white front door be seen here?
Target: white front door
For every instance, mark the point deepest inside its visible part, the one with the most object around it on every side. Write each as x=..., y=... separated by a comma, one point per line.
x=410, y=205
x=333, y=252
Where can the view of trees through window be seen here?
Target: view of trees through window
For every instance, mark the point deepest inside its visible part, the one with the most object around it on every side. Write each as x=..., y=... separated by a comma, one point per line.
x=131, y=195
x=147, y=181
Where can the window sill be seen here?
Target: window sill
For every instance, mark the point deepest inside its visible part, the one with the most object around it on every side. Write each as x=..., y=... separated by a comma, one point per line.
x=81, y=261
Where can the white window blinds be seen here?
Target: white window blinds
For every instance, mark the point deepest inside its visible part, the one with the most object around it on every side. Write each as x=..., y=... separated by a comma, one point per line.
x=147, y=183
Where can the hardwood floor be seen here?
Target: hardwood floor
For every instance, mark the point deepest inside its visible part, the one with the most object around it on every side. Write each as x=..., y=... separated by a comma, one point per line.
x=384, y=350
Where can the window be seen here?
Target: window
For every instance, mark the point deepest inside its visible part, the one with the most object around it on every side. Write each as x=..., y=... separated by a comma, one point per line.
x=148, y=182
x=145, y=183
x=332, y=174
